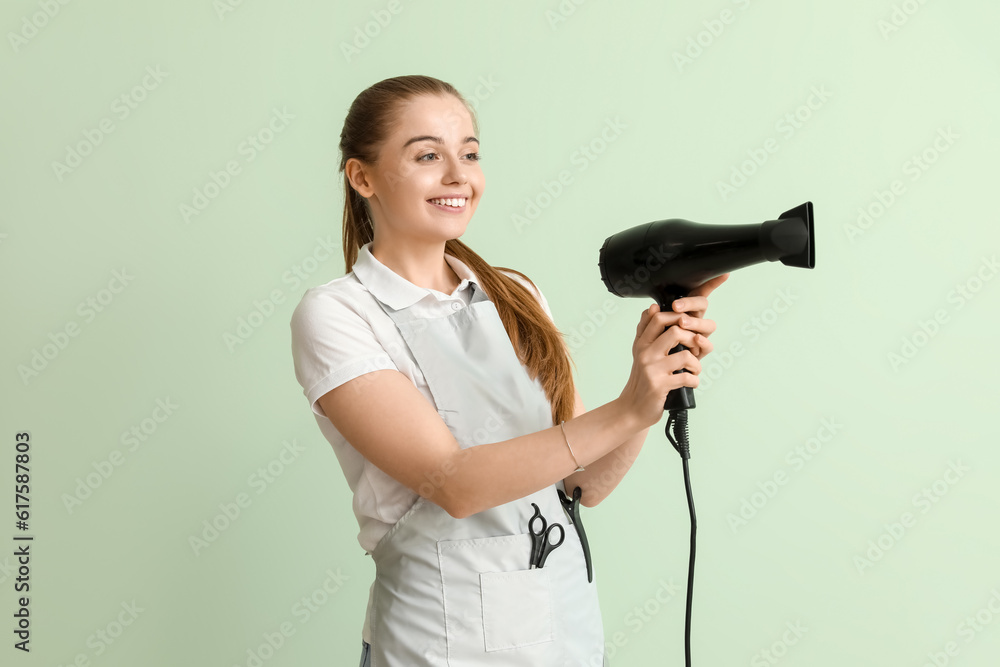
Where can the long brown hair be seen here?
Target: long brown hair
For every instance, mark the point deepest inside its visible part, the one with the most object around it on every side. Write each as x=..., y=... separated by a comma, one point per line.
x=538, y=343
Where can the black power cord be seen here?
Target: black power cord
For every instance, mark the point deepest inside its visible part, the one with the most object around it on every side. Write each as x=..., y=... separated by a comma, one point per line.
x=679, y=420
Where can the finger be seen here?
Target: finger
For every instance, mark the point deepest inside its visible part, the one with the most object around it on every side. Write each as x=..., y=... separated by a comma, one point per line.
x=684, y=359
x=699, y=325
x=709, y=286
x=657, y=324
x=690, y=304
x=704, y=346
x=669, y=339
x=646, y=331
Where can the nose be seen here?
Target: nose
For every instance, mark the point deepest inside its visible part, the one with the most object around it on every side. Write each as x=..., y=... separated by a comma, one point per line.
x=455, y=173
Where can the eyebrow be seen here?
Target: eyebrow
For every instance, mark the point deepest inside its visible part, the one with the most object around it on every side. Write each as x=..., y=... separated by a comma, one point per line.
x=436, y=140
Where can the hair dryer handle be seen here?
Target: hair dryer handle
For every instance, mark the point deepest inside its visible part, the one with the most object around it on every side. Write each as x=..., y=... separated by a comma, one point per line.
x=681, y=398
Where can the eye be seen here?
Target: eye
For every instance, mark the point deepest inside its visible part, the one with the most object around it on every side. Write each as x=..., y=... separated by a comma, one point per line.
x=475, y=156
x=421, y=158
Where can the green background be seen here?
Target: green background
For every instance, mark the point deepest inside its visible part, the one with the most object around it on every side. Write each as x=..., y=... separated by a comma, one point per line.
x=544, y=89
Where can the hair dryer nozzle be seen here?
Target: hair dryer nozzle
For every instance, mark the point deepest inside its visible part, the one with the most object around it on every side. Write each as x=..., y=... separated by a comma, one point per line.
x=796, y=238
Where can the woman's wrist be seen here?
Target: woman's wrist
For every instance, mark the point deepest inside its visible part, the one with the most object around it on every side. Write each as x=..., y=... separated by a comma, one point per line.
x=629, y=421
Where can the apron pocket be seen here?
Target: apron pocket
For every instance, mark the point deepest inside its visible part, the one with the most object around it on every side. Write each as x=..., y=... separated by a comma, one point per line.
x=492, y=603
x=517, y=608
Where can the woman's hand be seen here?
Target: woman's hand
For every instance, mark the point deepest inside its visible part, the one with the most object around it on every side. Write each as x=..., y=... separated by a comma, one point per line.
x=654, y=370
x=692, y=312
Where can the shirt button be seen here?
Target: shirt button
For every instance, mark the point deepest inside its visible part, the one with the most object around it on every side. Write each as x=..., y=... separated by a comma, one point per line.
x=456, y=306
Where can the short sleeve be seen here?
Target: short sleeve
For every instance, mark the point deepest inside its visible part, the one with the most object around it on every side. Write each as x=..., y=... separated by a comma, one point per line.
x=332, y=343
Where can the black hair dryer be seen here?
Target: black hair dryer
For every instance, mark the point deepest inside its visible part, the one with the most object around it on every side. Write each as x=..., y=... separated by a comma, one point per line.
x=666, y=259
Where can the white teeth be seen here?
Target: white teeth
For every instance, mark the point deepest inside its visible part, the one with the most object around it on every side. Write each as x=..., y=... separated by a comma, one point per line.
x=457, y=203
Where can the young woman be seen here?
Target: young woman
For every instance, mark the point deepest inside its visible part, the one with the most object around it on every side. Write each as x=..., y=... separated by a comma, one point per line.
x=446, y=391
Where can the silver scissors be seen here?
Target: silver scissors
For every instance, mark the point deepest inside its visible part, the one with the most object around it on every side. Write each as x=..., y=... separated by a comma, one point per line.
x=541, y=544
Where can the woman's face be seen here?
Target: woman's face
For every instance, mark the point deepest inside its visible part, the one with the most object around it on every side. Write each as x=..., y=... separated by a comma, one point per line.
x=432, y=154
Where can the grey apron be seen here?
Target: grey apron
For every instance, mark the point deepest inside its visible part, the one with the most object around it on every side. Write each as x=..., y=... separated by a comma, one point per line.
x=459, y=592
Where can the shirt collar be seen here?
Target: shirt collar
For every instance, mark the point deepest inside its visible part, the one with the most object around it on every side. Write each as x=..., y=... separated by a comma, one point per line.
x=395, y=291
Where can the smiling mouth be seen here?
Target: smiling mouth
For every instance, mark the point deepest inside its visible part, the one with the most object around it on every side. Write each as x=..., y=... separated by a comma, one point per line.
x=456, y=203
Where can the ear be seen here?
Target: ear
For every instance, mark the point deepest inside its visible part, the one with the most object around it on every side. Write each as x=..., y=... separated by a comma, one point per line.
x=358, y=177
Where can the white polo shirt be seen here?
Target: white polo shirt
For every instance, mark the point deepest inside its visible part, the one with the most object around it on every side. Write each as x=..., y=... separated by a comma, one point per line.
x=340, y=332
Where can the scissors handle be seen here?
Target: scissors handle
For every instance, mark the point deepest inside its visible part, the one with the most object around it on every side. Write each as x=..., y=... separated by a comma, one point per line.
x=541, y=542
x=547, y=545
